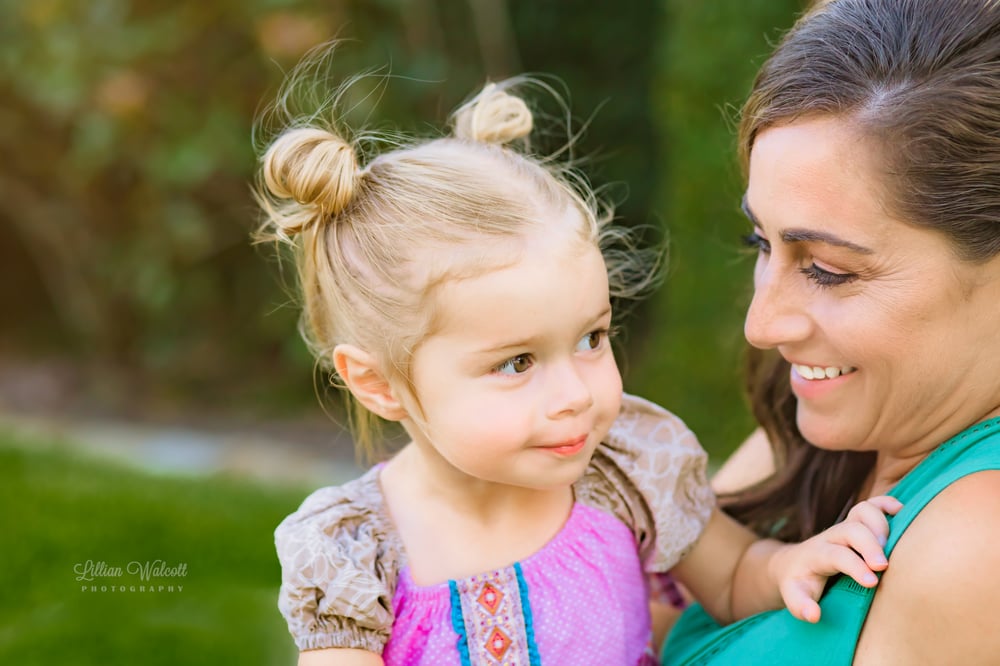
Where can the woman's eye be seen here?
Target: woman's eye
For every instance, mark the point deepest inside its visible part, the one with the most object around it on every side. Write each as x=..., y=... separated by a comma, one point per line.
x=514, y=366
x=757, y=242
x=591, y=341
x=825, y=278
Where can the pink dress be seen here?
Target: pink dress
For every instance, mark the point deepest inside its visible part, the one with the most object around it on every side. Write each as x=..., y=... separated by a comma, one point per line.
x=583, y=598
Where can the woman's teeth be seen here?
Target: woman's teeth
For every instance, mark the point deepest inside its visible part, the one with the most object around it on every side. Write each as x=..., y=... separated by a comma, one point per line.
x=819, y=372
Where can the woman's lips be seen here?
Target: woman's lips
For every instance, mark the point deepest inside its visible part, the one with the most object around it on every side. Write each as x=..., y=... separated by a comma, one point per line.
x=819, y=372
x=818, y=385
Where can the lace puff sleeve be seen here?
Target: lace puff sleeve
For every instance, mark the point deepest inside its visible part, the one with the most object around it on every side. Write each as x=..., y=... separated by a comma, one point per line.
x=651, y=473
x=338, y=569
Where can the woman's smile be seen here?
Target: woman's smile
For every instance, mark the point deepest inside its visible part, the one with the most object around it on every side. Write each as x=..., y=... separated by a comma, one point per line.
x=816, y=382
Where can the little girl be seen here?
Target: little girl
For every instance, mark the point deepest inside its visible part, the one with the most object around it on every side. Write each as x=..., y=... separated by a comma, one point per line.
x=457, y=286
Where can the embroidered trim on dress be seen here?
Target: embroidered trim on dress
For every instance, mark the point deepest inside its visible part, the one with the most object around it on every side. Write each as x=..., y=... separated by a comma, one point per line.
x=497, y=625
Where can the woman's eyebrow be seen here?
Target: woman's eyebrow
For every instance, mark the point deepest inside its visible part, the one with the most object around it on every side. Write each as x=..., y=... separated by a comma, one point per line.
x=807, y=235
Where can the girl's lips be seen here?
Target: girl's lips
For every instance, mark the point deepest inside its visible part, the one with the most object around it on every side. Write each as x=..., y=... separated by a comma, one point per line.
x=568, y=448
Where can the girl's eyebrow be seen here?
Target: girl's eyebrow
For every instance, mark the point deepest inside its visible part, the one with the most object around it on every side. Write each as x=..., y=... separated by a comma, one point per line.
x=524, y=343
x=807, y=235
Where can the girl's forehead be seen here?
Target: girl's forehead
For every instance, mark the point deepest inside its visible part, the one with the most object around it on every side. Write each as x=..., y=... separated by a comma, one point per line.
x=546, y=289
x=477, y=253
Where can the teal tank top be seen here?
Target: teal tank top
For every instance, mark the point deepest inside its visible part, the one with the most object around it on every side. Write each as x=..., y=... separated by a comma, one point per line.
x=777, y=638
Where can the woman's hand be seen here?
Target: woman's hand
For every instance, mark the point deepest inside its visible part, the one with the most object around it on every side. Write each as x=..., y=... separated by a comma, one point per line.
x=854, y=547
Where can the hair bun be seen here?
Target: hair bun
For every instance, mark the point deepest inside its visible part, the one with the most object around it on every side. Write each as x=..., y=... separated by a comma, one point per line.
x=313, y=167
x=493, y=116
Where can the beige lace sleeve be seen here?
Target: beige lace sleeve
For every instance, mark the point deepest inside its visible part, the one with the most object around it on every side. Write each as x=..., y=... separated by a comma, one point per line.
x=651, y=473
x=339, y=565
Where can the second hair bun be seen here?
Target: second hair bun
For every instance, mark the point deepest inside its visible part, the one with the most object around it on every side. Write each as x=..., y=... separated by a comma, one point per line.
x=493, y=116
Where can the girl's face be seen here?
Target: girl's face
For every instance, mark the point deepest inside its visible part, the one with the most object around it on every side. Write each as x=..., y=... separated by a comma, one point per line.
x=894, y=342
x=518, y=384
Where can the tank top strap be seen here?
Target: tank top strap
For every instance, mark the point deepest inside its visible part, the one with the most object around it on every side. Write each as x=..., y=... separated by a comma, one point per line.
x=975, y=449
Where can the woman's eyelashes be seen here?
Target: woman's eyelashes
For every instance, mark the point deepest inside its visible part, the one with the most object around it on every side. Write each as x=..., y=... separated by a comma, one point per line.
x=825, y=278
x=821, y=276
x=521, y=363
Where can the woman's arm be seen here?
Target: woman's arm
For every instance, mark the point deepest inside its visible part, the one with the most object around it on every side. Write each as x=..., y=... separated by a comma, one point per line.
x=339, y=657
x=751, y=463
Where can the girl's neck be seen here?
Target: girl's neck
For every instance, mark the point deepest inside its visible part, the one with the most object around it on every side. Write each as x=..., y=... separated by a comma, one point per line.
x=449, y=524
x=429, y=480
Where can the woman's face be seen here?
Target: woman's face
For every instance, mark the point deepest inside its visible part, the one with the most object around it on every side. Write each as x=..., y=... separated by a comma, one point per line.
x=894, y=342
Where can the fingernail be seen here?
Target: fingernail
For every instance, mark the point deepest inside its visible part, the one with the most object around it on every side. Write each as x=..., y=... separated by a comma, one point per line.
x=869, y=579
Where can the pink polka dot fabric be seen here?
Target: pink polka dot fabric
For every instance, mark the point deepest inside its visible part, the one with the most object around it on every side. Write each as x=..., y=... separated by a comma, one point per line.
x=582, y=599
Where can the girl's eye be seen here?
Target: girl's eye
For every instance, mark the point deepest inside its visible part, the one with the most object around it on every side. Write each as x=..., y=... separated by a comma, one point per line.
x=514, y=366
x=591, y=341
x=825, y=278
x=757, y=242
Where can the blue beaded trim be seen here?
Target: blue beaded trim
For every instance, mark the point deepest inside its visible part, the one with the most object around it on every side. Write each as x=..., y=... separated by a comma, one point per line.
x=458, y=624
x=529, y=624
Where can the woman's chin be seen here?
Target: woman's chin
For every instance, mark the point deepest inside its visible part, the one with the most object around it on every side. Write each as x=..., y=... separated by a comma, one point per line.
x=824, y=432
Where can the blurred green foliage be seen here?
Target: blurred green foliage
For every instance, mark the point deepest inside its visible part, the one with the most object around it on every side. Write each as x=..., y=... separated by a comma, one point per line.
x=73, y=509
x=125, y=127
x=691, y=356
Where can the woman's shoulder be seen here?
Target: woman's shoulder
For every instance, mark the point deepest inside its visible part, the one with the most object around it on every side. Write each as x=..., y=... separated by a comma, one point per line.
x=933, y=603
x=953, y=544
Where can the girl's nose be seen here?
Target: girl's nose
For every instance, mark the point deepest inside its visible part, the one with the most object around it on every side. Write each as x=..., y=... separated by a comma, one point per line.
x=570, y=393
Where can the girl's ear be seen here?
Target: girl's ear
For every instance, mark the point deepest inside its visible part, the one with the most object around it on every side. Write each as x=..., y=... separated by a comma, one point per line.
x=364, y=379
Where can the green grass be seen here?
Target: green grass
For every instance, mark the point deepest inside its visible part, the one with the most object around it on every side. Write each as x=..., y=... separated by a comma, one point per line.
x=59, y=510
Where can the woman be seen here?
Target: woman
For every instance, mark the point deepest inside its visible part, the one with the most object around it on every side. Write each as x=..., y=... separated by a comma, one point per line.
x=871, y=144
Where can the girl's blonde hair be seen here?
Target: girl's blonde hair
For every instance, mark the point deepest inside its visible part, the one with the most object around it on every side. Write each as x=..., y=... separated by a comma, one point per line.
x=371, y=240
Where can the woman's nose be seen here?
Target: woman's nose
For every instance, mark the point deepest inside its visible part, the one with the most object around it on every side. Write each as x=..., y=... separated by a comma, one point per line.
x=777, y=315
